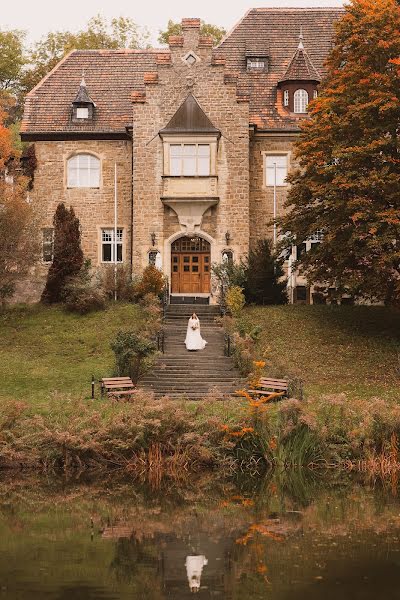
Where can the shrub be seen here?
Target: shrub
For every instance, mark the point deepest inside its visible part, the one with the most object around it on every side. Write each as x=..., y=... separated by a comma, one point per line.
x=264, y=276
x=235, y=300
x=131, y=350
x=152, y=306
x=82, y=292
x=68, y=255
x=229, y=273
x=151, y=282
x=125, y=285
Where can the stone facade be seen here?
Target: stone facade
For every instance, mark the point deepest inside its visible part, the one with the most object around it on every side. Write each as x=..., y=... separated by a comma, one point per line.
x=135, y=101
x=218, y=99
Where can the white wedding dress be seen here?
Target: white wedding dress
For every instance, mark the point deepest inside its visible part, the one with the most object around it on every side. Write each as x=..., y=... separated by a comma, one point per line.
x=193, y=340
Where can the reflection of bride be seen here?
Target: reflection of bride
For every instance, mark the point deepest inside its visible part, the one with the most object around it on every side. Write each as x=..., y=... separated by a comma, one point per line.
x=194, y=568
x=193, y=340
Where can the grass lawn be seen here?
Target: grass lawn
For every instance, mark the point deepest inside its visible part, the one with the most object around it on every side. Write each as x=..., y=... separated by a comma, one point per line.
x=45, y=350
x=334, y=349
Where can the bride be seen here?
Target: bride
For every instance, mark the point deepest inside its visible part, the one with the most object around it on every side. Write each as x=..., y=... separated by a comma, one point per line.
x=193, y=340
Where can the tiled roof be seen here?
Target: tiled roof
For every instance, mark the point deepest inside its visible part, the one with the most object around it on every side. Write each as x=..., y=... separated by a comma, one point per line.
x=113, y=76
x=110, y=75
x=190, y=117
x=278, y=30
x=301, y=67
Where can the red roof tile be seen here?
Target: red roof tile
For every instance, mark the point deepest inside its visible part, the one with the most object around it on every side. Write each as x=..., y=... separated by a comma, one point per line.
x=116, y=78
x=274, y=32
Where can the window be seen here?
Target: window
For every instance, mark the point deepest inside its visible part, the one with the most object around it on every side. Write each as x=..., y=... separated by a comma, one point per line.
x=82, y=113
x=315, y=94
x=317, y=236
x=83, y=170
x=276, y=169
x=301, y=294
x=190, y=59
x=300, y=101
x=108, y=245
x=48, y=245
x=286, y=98
x=256, y=64
x=189, y=159
x=153, y=258
x=227, y=257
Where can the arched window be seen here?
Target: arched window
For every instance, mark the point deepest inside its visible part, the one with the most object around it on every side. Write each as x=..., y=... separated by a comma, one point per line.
x=83, y=170
x=300, y=101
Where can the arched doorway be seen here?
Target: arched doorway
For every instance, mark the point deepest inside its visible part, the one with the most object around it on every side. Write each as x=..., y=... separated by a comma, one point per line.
x=190, y=266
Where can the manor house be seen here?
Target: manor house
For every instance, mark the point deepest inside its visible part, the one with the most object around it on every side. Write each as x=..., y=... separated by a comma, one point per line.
x=179, y=156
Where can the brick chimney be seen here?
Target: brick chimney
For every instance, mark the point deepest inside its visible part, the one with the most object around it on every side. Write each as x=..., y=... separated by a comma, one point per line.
x=191, y=33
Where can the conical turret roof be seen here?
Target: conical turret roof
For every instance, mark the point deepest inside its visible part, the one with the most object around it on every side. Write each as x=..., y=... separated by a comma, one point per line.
x=82, y=96
x=300, y=67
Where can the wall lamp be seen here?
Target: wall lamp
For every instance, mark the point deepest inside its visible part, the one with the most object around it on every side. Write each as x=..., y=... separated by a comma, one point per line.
x=227, y=237
x=153, y=238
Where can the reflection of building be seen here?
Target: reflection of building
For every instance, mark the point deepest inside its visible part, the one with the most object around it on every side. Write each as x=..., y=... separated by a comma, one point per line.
x=202, y=139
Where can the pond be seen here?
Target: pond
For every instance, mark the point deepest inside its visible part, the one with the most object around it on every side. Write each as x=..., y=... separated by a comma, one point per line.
x=280, y=538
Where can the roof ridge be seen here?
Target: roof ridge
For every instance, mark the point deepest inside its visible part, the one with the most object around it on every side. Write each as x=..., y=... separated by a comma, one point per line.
x=120, y=51
x=297, y=8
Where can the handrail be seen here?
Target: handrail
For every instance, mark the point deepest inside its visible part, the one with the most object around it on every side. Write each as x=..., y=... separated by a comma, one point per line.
x=165, y=297
x=161, y=341
x=222, y=299
x=228, y=345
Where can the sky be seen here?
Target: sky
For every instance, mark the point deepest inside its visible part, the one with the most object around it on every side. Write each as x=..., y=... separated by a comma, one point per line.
x=40, y=16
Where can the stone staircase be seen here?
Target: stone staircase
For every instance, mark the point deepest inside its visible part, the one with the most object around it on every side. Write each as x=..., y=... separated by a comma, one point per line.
x=179, y=373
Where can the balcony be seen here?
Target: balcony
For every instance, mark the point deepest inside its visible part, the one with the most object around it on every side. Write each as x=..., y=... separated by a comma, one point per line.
x=190, y=187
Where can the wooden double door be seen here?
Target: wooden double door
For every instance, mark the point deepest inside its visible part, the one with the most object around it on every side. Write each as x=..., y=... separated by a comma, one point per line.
x=190, y=273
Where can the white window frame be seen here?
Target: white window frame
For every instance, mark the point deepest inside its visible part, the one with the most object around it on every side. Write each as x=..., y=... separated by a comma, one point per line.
x=256, y=63
x=269, y=171
x=182, y=158
x=286, y=98
x=104, y=241
x=82, y=112
x=49, y=243
x=300, y=101
x=93, y=169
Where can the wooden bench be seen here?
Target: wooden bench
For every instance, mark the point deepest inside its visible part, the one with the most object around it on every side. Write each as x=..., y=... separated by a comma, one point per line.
x=268, y=385
x=117, y=387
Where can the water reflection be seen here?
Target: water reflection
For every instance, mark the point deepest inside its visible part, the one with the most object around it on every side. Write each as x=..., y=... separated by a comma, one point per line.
x=281, y=538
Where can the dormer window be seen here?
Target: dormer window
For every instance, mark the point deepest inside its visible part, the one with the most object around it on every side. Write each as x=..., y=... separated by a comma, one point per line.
x=83, y=106
x=82, y=112
x=300, y=101
x=257, y=63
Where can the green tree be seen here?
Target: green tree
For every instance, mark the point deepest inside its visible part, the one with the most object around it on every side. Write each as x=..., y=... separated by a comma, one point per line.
x=68, y=255
x=348, y=184
x=12, y=59
x=121, y=32
x=217, y=33
x=265, y=283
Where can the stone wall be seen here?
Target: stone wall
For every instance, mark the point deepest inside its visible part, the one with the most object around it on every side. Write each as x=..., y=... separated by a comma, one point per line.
x=165, y=91
x=94, y=207
x=261, y=196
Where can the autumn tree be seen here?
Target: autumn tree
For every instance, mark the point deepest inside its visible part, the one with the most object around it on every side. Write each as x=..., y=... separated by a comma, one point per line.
x=217, y=33
x=18, y=239
x=67, y=256
x=348, y=184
